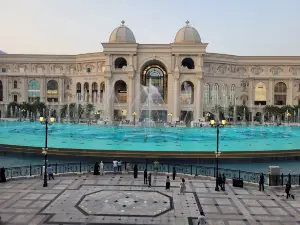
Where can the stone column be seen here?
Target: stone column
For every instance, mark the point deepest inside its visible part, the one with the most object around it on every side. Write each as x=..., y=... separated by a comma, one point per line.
x=250, y=93
x=6, y=90
x=290, y=92
x=198, y=99
x=270, y=93
x=61, y=89
x=25, y=89
x=130, y=96
x=108, y=93
x=176, y=96
x=42, y=89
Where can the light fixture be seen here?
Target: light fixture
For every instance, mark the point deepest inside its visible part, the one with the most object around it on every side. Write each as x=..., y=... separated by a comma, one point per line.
x=41, y=119
x=223, y=122
x=51, y=119
x=212, y=122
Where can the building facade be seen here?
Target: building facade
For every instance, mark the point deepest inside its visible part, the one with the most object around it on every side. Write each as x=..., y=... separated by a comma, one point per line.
x=181, y=77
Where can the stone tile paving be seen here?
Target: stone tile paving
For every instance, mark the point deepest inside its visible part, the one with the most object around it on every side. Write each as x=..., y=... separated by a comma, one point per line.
x=121, y=199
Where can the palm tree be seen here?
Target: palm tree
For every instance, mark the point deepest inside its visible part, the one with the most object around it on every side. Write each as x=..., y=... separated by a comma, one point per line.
x=242, y=111
x=218, y=111
x=73, y=110
x=13, y=106
x=89, y=108
x=41, y=108
x=63, y=111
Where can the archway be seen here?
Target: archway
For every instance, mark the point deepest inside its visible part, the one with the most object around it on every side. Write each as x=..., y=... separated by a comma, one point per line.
x=225, y=94
x=86, y=92
x=102, y=91
x=94, y=92
x=33, y=91
x=244, y=99
x=280, y=93
x=187, y=93
x=260, y=94
x=188, y=63
x=154, y=90
x=120, y=92
x=120, y=63
x=52, y=91
x=78, y=91
x=1, y=91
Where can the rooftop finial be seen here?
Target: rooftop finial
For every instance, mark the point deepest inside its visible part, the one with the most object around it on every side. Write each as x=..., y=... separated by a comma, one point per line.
x=122, y=22
x=187, y=22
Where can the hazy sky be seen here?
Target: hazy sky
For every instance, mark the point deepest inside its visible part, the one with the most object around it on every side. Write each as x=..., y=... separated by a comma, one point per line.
x=256, y=27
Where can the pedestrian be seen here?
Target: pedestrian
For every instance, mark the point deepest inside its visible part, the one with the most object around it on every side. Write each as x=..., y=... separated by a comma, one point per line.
x=96, y=169
x=168, y=184
x=201, y=219
x=219, y=181
x=261, y=182
x=182, y=186
x=149, y=180
x=50, y=172
x=119, y=166
x=2, y=175
x=115, y=165
x=145, y=176
x=101, y=168
x=127, y=167
x=155, y=167
x=288, y=188
x=223, y=182
x=135, y=171
x=174, y=173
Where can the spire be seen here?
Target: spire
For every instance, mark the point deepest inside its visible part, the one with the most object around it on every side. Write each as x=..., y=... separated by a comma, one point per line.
x=122, y=23
x=187, y=22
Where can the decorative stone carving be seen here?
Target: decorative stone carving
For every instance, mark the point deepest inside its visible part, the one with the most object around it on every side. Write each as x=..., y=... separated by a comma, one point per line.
x=241, y=69
x=257, y=70
x=276, y=69
x=294, y=69
x=222, y=69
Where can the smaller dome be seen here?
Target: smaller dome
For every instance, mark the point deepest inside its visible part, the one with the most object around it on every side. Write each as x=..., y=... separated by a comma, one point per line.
x=187, y=34
x=122, y=34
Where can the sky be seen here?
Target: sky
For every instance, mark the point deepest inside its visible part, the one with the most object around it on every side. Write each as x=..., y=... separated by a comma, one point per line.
x=239, y=27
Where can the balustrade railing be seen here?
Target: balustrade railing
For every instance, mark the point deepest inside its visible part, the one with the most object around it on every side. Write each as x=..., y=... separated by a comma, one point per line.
x=192, y=169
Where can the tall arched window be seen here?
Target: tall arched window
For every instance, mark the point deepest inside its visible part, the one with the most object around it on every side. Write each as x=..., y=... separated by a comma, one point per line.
x=188, y=63
x=206, y=94
x=120, y=63
x=280, y=93
x=187, y=93
x=102, y=91
x=260, y=94
x=120, y=92
x=215, y=94
x=78, y=91
x=224, y=94
x=232, y=95
x=52, y=91
x=34, y=93
x=86, y=92
x=1, y=91
x=94, y=92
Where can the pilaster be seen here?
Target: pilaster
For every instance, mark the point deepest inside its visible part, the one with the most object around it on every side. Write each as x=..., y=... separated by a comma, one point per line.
x=176, y=95
x=250, y=93
x=270, y=94
x=290, y=92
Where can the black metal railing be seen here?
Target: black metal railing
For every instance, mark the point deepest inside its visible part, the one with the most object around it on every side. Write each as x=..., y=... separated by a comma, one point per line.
x=37, y=170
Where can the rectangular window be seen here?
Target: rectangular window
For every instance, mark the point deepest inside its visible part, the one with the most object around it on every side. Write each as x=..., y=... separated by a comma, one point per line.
x=88, y=70
x=15, y=98
x=3, y=70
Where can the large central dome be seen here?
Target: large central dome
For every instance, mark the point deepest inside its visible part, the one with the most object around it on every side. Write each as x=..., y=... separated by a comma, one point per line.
x=122, y=34
x=187, y=34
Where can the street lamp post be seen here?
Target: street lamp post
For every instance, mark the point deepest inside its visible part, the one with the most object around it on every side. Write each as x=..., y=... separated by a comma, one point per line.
x=170, y=114
x=134, y=115
x=212, y=122
x=45, y=149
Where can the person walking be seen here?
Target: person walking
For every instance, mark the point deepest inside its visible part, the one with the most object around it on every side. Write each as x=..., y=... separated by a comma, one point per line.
x=223, y=182
x=168, y=184
x=201, y=219
x=182, y=186
x=101, y=168
x=50, y=172
x=135, y=171
x=119, y=166
x=145, y=176
x=96, y=169
x=261, y=182
x=149, y=180
x=115, y=165
x=288, y=188
x=174, y=173
x=127, y=167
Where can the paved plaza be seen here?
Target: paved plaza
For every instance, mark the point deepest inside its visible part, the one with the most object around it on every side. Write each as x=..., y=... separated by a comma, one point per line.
x=121, y=199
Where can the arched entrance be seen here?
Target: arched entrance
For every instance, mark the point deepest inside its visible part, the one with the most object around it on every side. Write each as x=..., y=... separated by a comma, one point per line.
x=154, y=90
x=260, y=94
x=187, y=91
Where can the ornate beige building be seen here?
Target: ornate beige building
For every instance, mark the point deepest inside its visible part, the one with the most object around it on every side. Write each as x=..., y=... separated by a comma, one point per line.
x=189, y=80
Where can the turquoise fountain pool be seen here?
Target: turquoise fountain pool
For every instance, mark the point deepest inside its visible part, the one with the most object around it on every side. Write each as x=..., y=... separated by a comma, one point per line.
x=77, y=136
